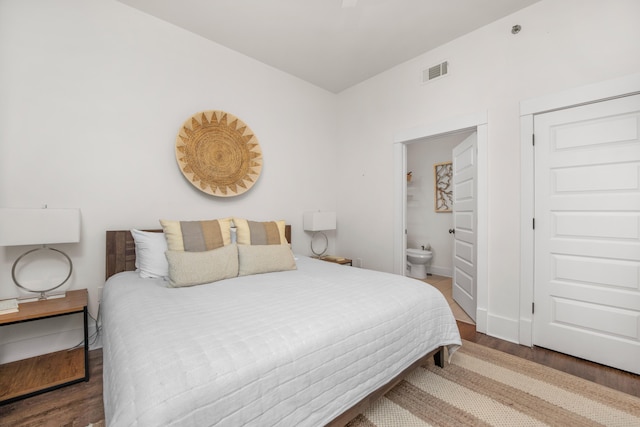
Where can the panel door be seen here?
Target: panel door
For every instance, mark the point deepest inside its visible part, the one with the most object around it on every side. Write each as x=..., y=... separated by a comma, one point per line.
x=587, y=232
x=464, y=287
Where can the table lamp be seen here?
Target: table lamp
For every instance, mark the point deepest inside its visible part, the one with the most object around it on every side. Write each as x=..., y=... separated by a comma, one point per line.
x=22, y=227
x=318, y=222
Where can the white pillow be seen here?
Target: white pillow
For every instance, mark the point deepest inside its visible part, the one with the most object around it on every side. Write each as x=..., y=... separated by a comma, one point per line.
x=151, y=261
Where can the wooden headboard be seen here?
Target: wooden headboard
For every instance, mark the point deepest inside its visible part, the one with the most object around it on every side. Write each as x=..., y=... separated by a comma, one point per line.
x=121, y=251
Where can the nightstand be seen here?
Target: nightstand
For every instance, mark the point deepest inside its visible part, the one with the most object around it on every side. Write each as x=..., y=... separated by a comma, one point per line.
x=337, y=260
x=28, y=377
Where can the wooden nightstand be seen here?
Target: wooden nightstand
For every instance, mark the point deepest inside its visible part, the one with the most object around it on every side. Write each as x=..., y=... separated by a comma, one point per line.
x=28, y=377
x=337, y=260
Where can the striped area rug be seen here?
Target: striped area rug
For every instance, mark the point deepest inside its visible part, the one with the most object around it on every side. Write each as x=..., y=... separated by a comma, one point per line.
x=486, y=387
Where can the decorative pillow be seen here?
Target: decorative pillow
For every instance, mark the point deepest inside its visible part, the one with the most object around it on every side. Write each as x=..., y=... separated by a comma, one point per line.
x=196, y=268
x=256, y=259
x=197, y=236
x=260, y=233
x=150, y=248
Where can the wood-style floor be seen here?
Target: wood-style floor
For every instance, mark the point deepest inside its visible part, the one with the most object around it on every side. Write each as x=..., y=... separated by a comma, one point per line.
x=76, y=405
x=81, y=404
x=609, y=377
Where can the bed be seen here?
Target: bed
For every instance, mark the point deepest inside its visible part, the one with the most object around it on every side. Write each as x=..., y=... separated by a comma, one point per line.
x=311, y=346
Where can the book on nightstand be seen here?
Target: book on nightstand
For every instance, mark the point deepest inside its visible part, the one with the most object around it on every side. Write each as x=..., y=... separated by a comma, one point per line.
x=333, y=258
x=8, y=306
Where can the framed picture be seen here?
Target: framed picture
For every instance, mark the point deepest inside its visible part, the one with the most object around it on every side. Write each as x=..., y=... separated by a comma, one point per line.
x=443, y=173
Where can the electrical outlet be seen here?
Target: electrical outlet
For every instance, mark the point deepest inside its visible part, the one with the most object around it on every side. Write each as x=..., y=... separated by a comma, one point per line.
x=100, y=289
x=358, y=262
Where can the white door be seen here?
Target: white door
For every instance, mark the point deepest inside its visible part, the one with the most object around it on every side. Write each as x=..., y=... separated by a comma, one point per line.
x=464, y=287
x=587, y=232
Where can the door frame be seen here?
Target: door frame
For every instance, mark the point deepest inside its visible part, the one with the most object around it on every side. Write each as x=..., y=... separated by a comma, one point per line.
x=589, y=94
x=477, y=122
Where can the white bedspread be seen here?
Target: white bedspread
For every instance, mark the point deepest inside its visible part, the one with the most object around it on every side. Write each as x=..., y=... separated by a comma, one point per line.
x=277, y=349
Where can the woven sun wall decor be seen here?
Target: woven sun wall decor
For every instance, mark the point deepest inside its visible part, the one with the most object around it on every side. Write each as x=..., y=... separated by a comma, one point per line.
x=218, y=153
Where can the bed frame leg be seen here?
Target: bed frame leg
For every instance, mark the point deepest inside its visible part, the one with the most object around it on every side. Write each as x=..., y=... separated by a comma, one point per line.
x=438, y=358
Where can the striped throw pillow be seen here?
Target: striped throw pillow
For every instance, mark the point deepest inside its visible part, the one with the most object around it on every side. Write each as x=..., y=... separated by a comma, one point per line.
x=260, y=233
x=197, y=236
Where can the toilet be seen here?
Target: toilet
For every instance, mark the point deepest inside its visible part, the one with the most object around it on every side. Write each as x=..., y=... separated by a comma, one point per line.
x=417, y=261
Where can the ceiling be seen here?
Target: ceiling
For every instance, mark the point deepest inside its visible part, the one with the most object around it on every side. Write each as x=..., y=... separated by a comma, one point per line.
x=333, y=44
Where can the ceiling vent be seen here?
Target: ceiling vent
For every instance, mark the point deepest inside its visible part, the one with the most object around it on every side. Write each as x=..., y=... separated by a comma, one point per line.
x=435, y=72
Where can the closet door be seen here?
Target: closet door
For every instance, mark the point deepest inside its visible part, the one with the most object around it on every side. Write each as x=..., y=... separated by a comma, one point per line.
x=587, y=232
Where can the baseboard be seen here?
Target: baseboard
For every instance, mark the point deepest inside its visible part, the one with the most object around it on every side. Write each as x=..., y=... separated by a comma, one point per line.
x=481, y=320
x=503, y=327
x=526, y=332
x=440, y=271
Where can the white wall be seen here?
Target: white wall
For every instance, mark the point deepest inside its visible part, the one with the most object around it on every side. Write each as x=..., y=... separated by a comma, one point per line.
x=563, y=44
x=93, y=94
x=424, y=224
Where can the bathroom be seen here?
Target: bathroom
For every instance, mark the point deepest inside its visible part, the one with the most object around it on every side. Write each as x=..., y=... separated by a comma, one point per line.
x=425, y=226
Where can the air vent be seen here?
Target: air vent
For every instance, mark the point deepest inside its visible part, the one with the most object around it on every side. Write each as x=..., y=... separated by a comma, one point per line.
x=435, y=72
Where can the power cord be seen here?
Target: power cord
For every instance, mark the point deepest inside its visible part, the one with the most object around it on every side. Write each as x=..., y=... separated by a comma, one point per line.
x=93, y=338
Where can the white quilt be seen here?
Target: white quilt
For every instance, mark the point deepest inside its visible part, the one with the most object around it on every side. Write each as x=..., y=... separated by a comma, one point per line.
x=277, y=349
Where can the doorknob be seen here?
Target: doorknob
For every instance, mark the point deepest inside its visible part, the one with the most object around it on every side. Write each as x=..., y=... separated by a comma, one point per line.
x=452, y=231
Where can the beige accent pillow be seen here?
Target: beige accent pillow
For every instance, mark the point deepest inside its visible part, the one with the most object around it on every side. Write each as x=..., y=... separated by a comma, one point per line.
x=197, y=236
x=196, y=268
x=256, y=259
x=260, y=233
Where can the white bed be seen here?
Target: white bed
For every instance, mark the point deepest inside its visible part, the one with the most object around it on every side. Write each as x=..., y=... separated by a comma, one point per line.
x=286, y=348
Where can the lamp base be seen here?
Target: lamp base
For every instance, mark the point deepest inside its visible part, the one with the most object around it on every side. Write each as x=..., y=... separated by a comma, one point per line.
x=326, y=244
x=43, y=292
x=43, y=296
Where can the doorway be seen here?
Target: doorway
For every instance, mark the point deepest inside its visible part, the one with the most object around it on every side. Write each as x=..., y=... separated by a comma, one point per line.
x=425, y=225
x=468, y=124
x=449, y=233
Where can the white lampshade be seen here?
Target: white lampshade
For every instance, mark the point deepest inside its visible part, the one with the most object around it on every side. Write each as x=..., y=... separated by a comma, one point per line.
x=39, y=226
x=319, y=221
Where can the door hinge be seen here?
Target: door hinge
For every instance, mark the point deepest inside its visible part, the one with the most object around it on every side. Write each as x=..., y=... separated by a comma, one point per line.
x=533, y=139
x=533, y=307
x=534, y=223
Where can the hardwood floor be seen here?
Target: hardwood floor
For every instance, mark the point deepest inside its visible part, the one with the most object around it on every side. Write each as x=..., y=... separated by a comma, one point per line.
x=613, y=378
x=81, y=404
x=77, y=405
x=609, y=377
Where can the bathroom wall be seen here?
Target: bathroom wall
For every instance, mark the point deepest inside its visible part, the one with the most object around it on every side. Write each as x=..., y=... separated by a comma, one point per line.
x=424, y=225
